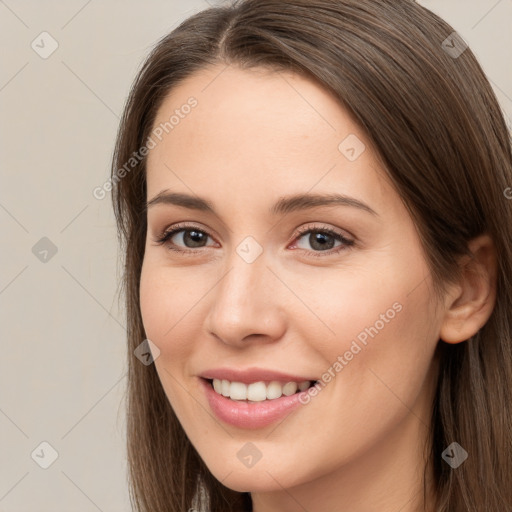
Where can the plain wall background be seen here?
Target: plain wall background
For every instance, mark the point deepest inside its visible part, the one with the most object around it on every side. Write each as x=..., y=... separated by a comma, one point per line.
x=63, y=364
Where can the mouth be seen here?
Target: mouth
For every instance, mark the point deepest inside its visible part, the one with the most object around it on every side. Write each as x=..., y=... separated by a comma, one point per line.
x=259, y=391
x=256, y=404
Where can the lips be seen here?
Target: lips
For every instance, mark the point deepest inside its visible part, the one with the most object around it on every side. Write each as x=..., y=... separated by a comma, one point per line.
x=247, y=415
x=251, y=414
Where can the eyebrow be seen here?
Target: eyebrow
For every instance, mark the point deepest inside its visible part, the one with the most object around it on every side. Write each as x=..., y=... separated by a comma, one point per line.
x=283, y=206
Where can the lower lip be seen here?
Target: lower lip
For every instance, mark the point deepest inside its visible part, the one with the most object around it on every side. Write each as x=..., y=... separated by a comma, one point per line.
x=250, y=414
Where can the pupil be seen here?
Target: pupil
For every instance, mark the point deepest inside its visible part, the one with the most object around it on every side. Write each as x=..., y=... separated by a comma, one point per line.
x=319, y=238
x=195, y=237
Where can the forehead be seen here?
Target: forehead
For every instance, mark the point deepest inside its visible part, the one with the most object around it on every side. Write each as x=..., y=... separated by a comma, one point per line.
x=263, y=133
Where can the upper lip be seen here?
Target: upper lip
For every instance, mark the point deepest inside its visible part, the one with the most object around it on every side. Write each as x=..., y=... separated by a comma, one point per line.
x=250, y=375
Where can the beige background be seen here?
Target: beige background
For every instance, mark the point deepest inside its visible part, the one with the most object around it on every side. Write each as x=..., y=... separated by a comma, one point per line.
x=63, y=365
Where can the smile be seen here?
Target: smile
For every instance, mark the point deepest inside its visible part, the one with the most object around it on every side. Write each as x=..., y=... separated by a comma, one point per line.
x=264, y=403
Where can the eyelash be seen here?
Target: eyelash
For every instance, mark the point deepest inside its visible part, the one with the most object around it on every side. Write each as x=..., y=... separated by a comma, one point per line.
x=169, y=233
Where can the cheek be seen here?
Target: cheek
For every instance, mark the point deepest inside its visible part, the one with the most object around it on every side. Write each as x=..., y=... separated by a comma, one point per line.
x=152, y=303
x=359, y=305
x=168, y=314
x=384, y=327
x=387, y=359
x=161, y=311
x=159, y=308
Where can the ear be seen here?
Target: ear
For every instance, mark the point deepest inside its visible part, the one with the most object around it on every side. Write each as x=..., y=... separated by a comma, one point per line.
x=471, y=301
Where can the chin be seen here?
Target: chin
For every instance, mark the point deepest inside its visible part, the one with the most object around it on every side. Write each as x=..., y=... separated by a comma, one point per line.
x=262, y=477
x=248, y=481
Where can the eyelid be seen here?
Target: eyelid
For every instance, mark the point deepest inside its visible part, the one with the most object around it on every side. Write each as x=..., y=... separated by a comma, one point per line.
x=173, y=229
x=184, y=225
x=323, y=227
x=297, y=232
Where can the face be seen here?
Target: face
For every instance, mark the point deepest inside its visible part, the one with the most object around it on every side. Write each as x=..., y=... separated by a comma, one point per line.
x=254, y=289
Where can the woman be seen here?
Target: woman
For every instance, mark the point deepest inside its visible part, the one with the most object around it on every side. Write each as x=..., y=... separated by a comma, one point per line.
x=312, y=201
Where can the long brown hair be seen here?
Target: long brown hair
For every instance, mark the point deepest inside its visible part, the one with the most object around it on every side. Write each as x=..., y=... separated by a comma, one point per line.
x=441, y=135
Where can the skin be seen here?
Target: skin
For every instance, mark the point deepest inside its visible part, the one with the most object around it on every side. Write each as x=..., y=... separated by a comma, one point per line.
x=255, y=136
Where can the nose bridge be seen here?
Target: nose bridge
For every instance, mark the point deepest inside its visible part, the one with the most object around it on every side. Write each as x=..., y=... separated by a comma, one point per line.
x=244, y=301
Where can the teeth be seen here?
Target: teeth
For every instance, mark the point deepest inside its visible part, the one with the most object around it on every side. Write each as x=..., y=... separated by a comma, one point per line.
x=274, y=390
x=217, y=385
x=304, y=385
x=257, y=391
x=225, y=388
x=289, y=388
x=238, y=391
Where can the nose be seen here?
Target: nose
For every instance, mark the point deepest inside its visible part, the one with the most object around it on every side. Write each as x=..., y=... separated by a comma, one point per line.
x=245, y=307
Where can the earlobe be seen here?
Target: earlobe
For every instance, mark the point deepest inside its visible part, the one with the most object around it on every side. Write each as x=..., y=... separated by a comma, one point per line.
x=472, y=300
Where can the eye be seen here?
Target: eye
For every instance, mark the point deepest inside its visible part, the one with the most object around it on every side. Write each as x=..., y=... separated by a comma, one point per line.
x=322, y=240
x=190, y=236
